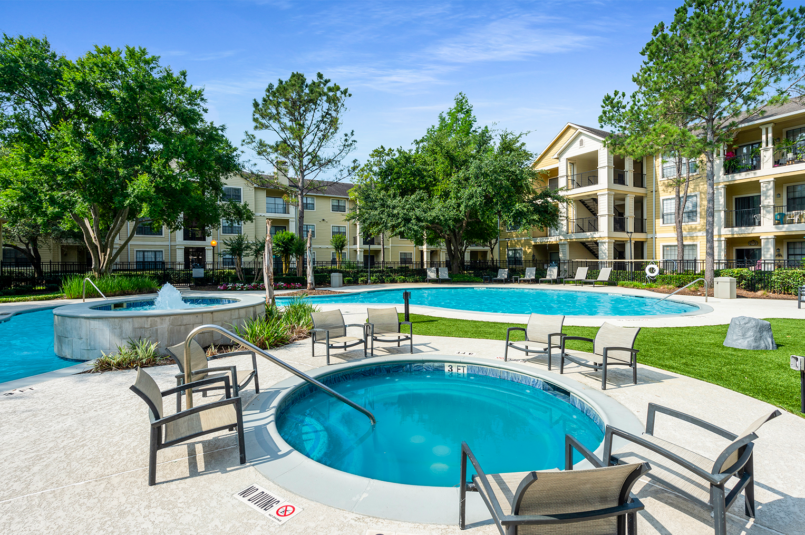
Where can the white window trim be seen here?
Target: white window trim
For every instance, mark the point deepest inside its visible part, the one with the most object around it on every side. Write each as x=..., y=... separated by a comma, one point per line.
x=684, y=243
x=785, y=191
x=149, y=251
x=346, y=206
x=406, y=252
x=230, y=234
x=785, y=131
x=314, y=231
x=241, y=191
x=333, y=233
x=287, y=206
x=160, y=235
x=698, y=206
x=662, y=160
x=747, y=195
x=312, y=198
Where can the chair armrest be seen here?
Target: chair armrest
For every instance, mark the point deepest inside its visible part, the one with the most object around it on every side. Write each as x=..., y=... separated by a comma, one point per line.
x=466, y=453
x=570, y=444
x=560, y=335
x=237, y=401
x=713, y=479
x=362, y=327
x=202, y=382
x=410, y=327
x=568, y=518
x=653, y=408
x=566, y=338
x=629, y=349
x=510, y=329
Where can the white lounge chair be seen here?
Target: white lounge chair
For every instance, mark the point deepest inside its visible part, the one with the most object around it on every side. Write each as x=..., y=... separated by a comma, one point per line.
x=530, y=275
x=433, y=275
x=552, y=275
x=503, y=276
x=542, y=334
x=603, y=276
x=444, y=275
x=581, y=276
x=614, y=344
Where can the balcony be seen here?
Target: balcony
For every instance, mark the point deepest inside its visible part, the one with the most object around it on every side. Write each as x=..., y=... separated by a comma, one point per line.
x=194, y=234
x=741, y=164
x=619, y=224
x=553, y=183
x=583, y=180
x=584, y=224
x=364, y=241
x=639, y=180
x=789, y=153
x=749, y=217
x=640, y=225
x=619, y=176
x=790, y=214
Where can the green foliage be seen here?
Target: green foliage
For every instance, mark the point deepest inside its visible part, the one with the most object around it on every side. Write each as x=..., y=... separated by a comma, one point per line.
x=347, y=280
x=278, y=326
x=463, y=277
x=287, y=245
x=636, y=285
x=237, y=247
x=297, y=313
x=139, y=354
x=35, y=297
x=338, y=243
x=109, y=284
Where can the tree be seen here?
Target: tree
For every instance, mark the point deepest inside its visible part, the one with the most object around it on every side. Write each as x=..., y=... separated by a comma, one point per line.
x=338, y=242
x=723, y=60
x=651, y=124
x=113, y=137
x=256, y=250
x=305, y=120
x=268, y=272
x=237, y=247
x=311, y=280
x=287, y=245
x=458, y=178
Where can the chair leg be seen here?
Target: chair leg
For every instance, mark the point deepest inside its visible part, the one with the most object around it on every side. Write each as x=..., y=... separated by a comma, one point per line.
x=312, y=347
x=631, y=524
x=604, y=374
x=328, y=354
x=749, y=491
x=562, y=359
x=634, y=370
x=506, y=352
x=719, y=510
x=549, y=355
x=241, y=437
x=152, y=457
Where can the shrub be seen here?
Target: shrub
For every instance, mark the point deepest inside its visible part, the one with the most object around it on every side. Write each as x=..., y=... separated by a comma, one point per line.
x=297, y=313
x=139, y=354
x=109, y=285
x=265, y=332
x=347, y=280
x=462, y=277
x=630, y=284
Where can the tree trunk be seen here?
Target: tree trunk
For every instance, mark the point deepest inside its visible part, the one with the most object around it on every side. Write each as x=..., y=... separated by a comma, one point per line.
x=383, y=250
x=31, y=252
x=102, y=249
x=679, y=211
x=311, y=281
x=709, y=231
x=239, y=268
x=300, y=198
x=268, y=270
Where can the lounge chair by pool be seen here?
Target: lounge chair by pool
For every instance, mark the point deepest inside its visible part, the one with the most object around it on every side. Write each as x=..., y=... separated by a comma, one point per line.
x=503, y=276
x=433, y=275
x=603, y=276
x=384, y=326
x=443, y=275
x=581, y=276
x=552, y=275
x=330, y=330
x=614, y=344
x=530, y=275
x=542, y=334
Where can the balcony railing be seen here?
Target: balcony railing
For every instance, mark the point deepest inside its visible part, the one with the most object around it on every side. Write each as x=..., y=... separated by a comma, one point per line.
x=640, y=225
x=583, y=224
x=792, y=213
x=741, y=164
x=619, y=224
x=364, y=241
x=639, y=180
x=582, y=180
x=789, y=154
x=194, y=234
x=619, y=176
x=749, y=217
x=553, y=183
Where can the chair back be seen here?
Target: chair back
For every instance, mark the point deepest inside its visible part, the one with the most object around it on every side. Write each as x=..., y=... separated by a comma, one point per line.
x=198, y=358
x=331, y=321
x=385, y=320
x=604, y=274
x=432, y=273
x=732, y=453
x=443, y=273
x=613, y=336
x=553, y=272
x=503, y=274
x=530, y=273
x=145, y=387
x=581, y=273
x=540, y=326
x=577, y=491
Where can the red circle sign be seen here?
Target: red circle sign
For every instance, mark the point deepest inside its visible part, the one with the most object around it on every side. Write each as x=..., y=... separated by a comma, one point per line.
x=286, y=510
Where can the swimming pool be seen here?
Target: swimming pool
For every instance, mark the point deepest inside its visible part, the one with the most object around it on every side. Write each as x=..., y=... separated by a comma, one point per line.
x=512, y=421
x=28, y=346
x=518, y=301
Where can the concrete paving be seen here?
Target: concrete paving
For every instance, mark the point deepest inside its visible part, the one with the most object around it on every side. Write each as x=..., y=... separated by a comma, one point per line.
x=74, y=458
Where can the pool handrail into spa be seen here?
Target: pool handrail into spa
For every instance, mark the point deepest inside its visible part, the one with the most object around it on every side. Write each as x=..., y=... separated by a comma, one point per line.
x=84, y=289
x=220, y=330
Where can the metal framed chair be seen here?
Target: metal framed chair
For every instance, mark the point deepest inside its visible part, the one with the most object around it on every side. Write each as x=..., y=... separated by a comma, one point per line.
x=530, y=275
x=201, y=420
x=330, y=330
x=444, y=275
x=691, y=474
x=384, y=326
x=540, y=332
x=581, y=276
x=614, y=344
x=596, y=501
x=603, y=276
x=503, y=276
x=432, y=275
x=552, y=275
x=200, y=369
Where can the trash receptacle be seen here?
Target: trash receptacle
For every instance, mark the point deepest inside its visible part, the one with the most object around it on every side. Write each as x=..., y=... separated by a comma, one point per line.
x=724, y=288
x=336, y=280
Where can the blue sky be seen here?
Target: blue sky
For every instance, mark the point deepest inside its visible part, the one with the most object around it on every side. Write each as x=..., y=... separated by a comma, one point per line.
x=525, y=66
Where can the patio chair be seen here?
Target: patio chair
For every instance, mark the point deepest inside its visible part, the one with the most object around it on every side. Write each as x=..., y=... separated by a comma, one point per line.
x=595, y=501
x=201, y=420
x=384, y=326
x=530, y=275
x=614, y=344
x=199, y=369
x=443, y=275
x=329, y=329
x=691, y=474
x=433, y=275
x=603, y=276
x=503, y=276
x=552, y=275
x=581, y=276
x=540, y=332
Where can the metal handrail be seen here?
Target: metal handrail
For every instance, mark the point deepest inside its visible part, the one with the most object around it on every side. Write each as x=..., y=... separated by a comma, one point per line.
x=706, y=290
x=275, y=360
x=84, y=289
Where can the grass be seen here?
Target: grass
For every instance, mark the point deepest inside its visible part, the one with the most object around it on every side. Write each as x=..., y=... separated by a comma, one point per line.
x=110, y=285
x=696, y=352
x=32, y=297
x=139, y=354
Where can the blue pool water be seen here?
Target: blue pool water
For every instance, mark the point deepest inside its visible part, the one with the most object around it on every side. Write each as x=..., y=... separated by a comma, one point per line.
x=148, y=304
x=518, y=301
x=512, y=422
x=28, y=346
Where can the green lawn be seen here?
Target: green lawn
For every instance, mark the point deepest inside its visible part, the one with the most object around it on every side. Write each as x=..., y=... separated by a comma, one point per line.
x=31, y=297
x=693, y=351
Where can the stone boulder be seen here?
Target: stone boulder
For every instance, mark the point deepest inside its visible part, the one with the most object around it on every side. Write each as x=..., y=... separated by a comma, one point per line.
x=749, y=333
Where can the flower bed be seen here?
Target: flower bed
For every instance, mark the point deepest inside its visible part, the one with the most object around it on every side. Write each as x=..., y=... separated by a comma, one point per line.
x=239, y=286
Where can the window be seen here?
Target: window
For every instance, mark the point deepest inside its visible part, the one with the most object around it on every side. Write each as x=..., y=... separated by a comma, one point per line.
x=148, y=259
x=669, y=166
x=309, y=203
x=406, y=258
x=339, y=230
x=15, y=258
x=669, y=252
x=231, y=227
x=514, y=257
x=277, y=228
x=796, y=252
x=146, y=229
x=690, y=215
x=338, y=205
x=306, y=228
x=232, y=194
x=276, y=205
x=228, y=260
x=795, y=197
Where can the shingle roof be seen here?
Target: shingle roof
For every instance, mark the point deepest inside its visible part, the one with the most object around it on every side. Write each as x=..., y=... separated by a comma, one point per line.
x=594, y=131
x=329, y=188
x=771, y=112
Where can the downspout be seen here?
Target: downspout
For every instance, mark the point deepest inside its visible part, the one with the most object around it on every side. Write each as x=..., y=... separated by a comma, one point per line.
x=654, y=208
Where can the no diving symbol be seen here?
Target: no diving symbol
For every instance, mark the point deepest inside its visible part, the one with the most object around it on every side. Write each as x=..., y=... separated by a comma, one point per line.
x=285, y=511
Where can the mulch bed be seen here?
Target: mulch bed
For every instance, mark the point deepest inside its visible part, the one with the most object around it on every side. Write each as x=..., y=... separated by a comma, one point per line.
x=313, y=292
x=740, y=293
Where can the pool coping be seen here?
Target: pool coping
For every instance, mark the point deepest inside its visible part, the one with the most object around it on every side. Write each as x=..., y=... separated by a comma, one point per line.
x=700, y=308
x=276, y=460
x=85, y=310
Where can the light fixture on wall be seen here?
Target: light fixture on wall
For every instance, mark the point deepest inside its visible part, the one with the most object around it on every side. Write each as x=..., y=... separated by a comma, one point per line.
x=779, y=195
x=752, y=243
x=778, y=255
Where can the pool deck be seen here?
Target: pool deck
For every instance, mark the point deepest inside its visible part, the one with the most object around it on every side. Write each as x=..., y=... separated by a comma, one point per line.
x=75, y=448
